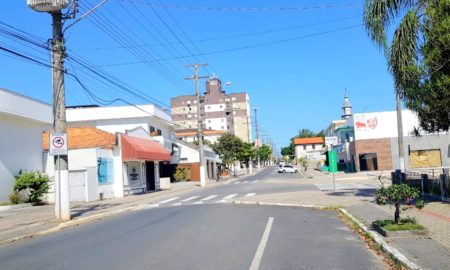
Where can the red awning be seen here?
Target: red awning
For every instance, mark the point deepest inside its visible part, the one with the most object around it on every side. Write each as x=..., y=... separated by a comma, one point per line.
x=141, y=149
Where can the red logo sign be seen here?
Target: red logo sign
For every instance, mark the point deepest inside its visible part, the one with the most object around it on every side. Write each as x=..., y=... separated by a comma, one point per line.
x=372, y=123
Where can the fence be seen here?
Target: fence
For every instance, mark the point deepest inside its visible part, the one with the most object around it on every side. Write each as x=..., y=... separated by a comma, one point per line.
x=430, y=181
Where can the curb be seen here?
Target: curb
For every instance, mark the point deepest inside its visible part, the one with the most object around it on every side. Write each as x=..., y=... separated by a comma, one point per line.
x=15, y=206
x=68, y=224
x=385, y=246
x=376, y=237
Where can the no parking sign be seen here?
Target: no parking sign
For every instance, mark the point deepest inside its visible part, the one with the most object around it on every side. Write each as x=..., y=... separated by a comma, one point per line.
x=58, y=144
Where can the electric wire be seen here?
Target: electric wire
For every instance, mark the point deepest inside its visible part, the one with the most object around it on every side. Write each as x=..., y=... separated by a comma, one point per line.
x=123, y=38
x=246, y=47
x=243, y=9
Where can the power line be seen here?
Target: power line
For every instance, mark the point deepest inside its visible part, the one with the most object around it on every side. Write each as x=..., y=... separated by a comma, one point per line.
x=243, y=9
x=243, y=47
x=125, y=38
x=250, y=34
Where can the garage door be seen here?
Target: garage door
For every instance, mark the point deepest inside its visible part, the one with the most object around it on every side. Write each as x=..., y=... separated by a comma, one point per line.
x=77, y=180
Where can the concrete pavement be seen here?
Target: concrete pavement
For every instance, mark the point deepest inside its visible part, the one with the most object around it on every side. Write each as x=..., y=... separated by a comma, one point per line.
x=27, y=222
x=429, y=252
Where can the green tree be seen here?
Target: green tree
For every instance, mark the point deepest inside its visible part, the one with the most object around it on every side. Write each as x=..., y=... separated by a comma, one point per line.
x=229, y=148
x=418, y=54
x=248, y=152
x=428, y=91
x=306, y=133
x=398, y=195
x=265, y=152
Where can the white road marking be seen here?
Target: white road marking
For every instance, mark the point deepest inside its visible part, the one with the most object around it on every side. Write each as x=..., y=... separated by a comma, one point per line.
x=208, y=198
x=147, y=205
x=199, y=202
x=189, y=199
x=245, y=182
x=262, y=245
x=169, y=200
x=250, y=194
x=229, y=196
x=222, y=201
x=238, y=182
x=256, y=181
x=176, y=204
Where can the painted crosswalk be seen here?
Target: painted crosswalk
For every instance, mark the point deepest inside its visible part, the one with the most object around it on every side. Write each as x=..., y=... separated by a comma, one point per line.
x=241, y=182
x=197, y=200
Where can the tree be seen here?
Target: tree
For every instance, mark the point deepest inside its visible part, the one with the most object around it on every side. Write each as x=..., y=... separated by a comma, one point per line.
x=306, y=133
x=248, y=152
x=398, y=195
x=420, y=71
x=428, y=91
x=229, y=148
x=265, y=152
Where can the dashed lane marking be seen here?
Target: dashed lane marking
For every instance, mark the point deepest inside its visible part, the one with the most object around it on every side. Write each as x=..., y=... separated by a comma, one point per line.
x=169, y=200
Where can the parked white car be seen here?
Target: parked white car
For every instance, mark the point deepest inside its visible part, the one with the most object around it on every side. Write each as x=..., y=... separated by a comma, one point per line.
x=287, y=169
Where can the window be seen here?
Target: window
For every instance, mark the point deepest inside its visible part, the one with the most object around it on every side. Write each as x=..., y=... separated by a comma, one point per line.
x=304, y=147
x=221, y=106
x=209, y=121
x=222, y=127
x=314, y=146
x=152, y=129
x=209, y=107
x=158, y=132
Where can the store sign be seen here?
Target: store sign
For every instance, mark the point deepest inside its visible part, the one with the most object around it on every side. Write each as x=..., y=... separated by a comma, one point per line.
x=105, y=169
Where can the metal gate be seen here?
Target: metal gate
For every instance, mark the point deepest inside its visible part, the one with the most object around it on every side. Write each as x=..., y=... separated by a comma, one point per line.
x=77, y=183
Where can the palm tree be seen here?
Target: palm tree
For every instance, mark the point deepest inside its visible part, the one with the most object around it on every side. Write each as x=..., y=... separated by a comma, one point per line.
x=403, y=51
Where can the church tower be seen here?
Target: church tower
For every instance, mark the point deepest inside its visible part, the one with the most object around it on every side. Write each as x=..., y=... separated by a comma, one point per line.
x=346, y=108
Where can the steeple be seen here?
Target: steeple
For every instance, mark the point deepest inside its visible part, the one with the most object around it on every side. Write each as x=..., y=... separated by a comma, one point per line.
x=346, y=107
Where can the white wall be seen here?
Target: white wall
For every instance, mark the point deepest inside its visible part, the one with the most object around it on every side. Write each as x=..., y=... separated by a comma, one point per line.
x=20, y=149
x=215, y=107
x=382, y=124
x=216, y=123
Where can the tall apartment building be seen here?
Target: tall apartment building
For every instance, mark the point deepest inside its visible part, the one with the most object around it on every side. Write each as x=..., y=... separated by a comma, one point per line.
x=220, y=111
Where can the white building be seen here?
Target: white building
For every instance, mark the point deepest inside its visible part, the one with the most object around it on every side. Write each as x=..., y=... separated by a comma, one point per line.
x=106, y=165
x=22, y=121
x=310, y=149
x=189, y=157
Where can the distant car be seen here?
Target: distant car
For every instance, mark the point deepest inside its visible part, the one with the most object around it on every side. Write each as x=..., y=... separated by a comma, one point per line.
x=287, y=169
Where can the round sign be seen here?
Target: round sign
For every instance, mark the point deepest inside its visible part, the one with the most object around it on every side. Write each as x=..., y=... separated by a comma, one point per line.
x=58, y=142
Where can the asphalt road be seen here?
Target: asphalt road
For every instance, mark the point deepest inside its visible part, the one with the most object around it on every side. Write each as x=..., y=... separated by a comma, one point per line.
x=184, y=235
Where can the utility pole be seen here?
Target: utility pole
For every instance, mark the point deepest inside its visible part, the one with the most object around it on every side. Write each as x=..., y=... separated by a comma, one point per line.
x=196, y=77
x=62, y=201
x=257, y=137
x=54, y=7
x=400, y=133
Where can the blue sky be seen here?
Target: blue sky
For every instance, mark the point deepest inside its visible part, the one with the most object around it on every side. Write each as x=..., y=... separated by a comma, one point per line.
x=295, y=64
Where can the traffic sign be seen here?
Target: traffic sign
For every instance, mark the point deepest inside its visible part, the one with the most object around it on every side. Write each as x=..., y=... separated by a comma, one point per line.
x=58, y=144
x=330, y=141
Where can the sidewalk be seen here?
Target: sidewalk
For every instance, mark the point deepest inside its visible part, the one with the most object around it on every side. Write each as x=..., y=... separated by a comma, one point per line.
x=428, y=252
x=18, y=224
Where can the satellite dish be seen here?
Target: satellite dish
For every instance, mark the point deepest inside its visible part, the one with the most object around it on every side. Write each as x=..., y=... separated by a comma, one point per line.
x=47, y=5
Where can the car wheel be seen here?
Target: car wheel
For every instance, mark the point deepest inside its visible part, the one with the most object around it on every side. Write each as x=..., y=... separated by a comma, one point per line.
x=296, y=171
x=284, y=171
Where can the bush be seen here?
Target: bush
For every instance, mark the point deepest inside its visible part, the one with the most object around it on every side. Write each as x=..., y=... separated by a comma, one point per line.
x=33, y=182
x=398, y=195
x=15, y=198
x=182, y=174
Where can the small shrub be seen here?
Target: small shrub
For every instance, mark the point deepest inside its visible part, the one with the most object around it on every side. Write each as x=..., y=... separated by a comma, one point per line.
x=398, y=195
x=34, y=182
x=15, y=198
x=182, y=174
